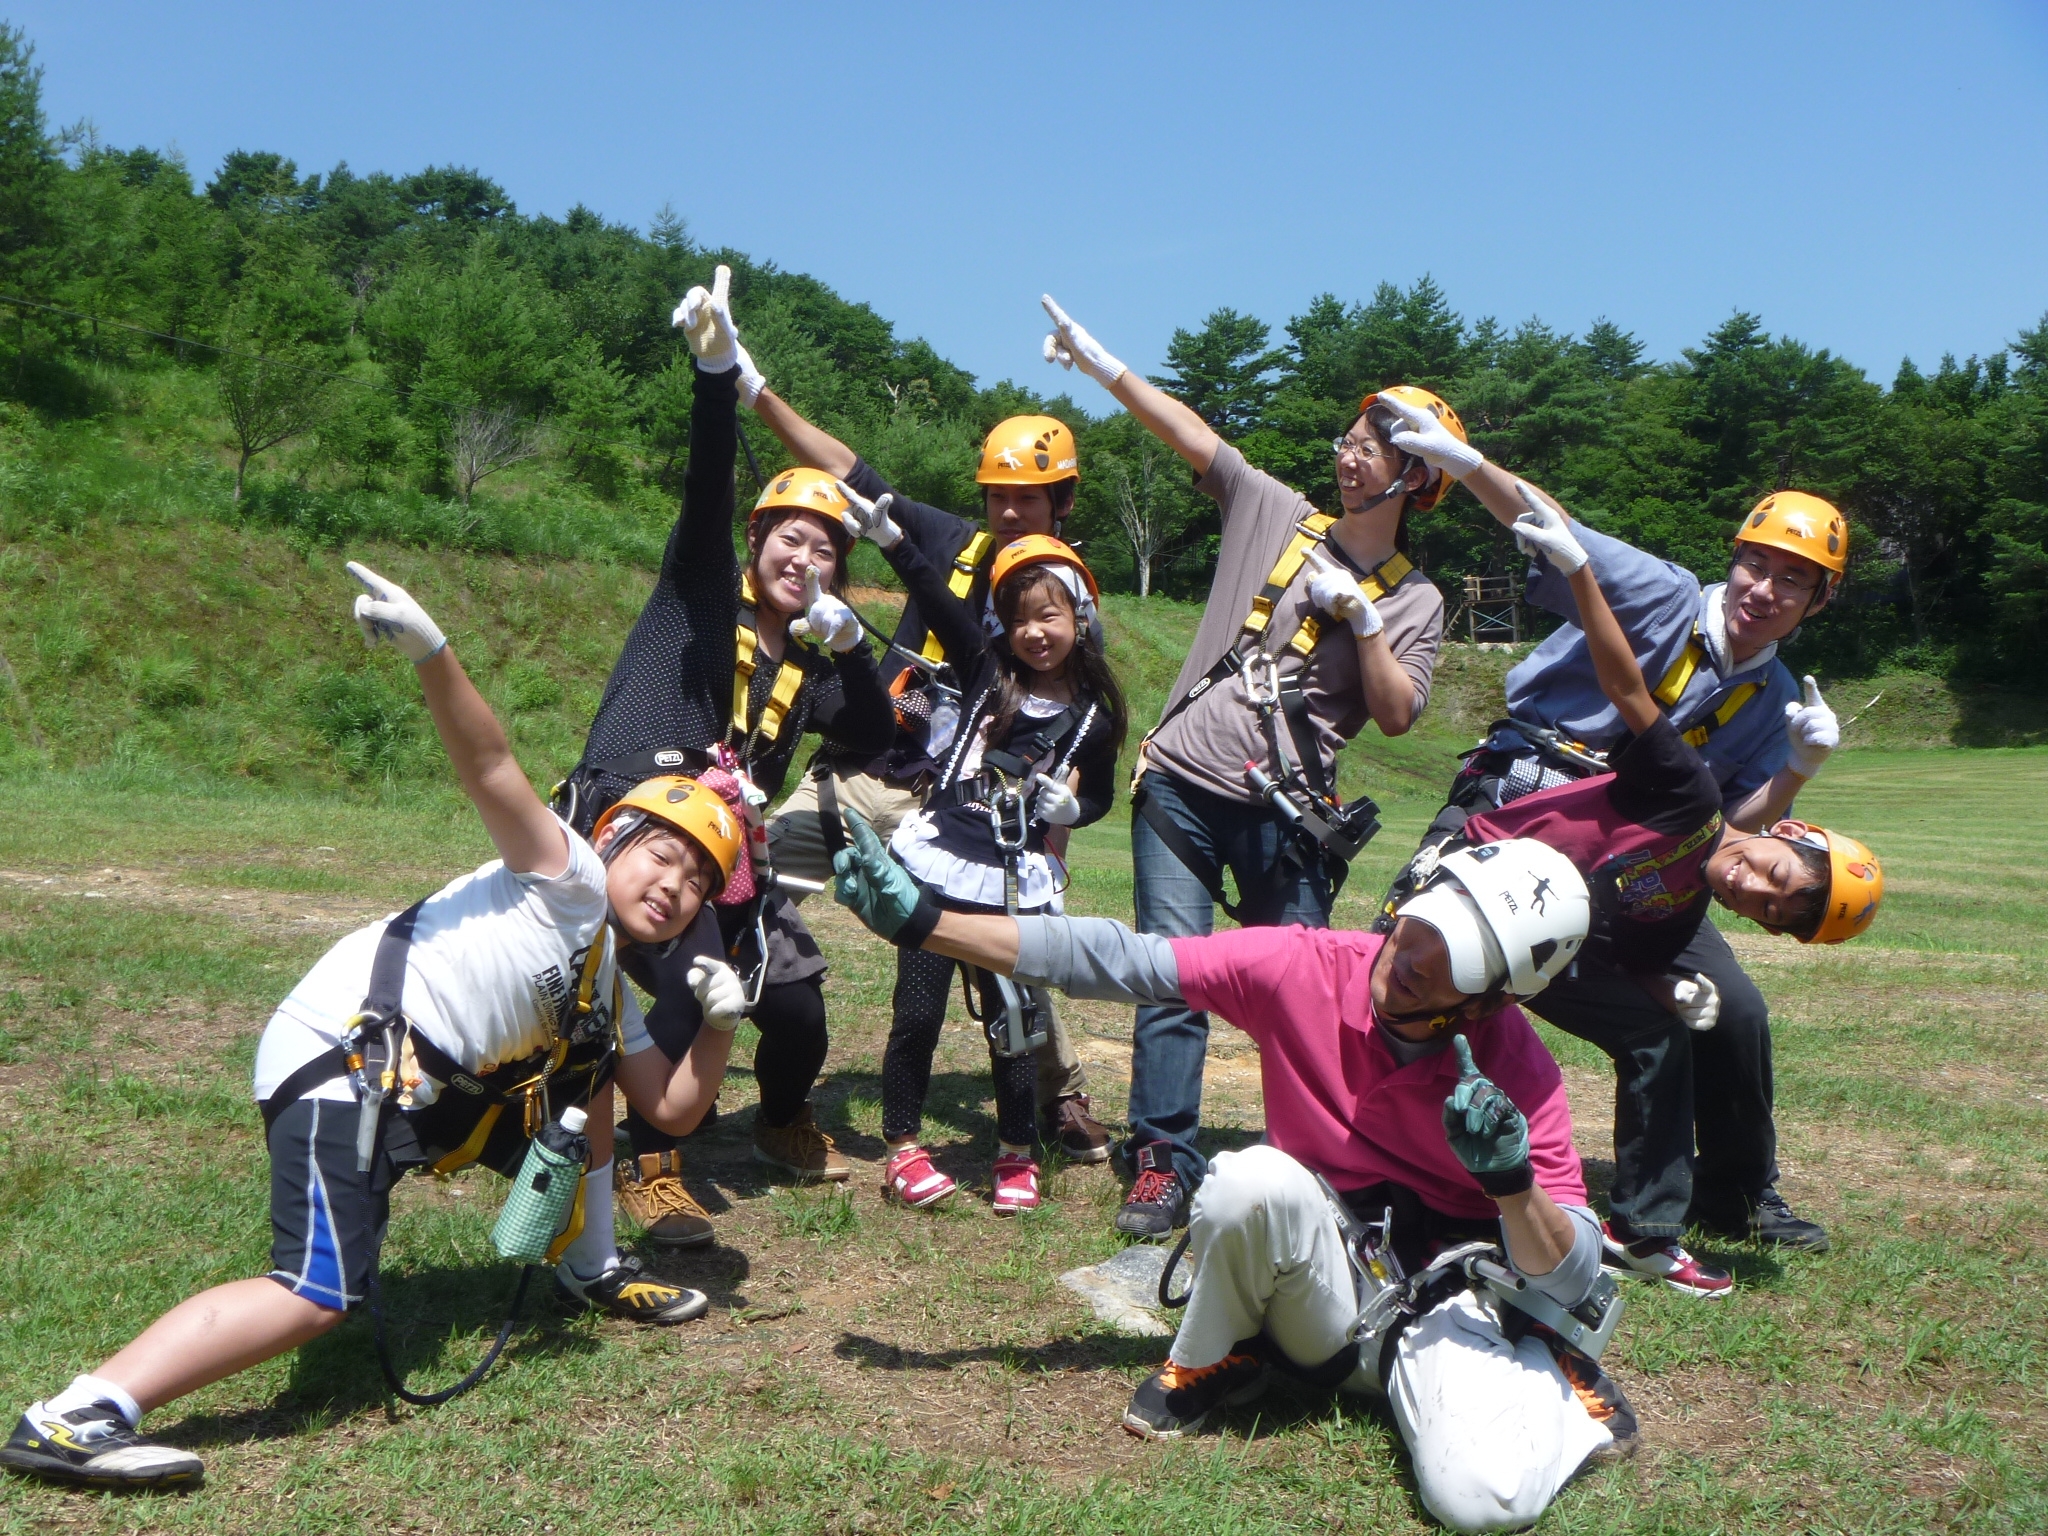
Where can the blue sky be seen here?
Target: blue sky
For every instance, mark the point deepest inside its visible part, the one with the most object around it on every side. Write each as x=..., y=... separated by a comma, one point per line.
x=1869, y=177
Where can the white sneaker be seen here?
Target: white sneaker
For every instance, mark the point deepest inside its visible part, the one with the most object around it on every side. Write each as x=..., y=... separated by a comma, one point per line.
x=94, y=1446
x=1656, y=1258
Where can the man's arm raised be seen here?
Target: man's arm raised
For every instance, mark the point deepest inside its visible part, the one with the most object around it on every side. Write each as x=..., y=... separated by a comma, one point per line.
x=1542, y=530
x=1163, y=416
x=811, y=446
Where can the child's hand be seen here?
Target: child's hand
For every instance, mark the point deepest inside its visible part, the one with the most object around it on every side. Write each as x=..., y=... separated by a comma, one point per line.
x=387, y=612
x=1056, y=804
x=719, y=993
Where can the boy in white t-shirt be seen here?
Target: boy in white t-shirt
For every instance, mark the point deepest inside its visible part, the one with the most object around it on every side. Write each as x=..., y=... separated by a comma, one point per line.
x=497, y=965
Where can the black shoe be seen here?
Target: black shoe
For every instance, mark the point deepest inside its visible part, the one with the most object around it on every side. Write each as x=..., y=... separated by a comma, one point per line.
x=1771, y=1222
x=1158, y=1201
x=94, y=1447
x=1605, y=1403
x=1775, y=1224
x=625, y=1292
x=1174, y=1400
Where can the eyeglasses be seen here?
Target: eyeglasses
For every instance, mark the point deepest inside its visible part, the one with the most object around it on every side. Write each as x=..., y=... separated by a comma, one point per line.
x=1785, y=588
x=1360, y=451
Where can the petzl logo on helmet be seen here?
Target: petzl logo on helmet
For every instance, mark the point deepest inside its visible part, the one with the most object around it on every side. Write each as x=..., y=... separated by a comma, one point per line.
x=1007, y=457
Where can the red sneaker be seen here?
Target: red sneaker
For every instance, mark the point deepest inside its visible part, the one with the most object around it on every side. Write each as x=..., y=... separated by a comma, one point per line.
x=1016, y=1184
x=1663, y=1258
x=911, y=1178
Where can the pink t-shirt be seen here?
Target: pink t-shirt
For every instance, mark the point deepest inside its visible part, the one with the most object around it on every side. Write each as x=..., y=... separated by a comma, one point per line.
x=1336, y=1099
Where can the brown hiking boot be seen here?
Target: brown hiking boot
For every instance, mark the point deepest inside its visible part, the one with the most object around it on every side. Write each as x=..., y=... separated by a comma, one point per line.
x=799, y=1148
x=1078, y=1134
x=652, y=1192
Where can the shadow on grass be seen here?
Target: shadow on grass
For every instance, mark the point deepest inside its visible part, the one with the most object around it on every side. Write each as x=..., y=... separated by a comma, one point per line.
x=1092, y=1352
x=439, y=1322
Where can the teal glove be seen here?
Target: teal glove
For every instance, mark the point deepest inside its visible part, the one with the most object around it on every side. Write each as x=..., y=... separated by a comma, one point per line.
x=1489, y=1135
x=878, y=890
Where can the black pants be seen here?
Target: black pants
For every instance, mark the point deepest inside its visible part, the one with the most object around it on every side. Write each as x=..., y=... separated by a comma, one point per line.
x=790, y=1017
x=1672, y=1085
x=1674, y=1089
x=924, y=983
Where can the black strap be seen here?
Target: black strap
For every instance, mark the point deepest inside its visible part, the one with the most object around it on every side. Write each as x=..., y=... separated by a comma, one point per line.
x=1307, y=751
x=830, y=828
x=1042, y=745
x=1198, y=864
x=384, y=999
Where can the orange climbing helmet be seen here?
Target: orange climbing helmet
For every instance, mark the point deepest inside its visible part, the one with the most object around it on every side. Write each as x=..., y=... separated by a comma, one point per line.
x=1855, y=886
x=1801, y=525
x=1440, y=408
x=804, y=490
x=1029, y=450
x=696, y=810
x=1040, y=549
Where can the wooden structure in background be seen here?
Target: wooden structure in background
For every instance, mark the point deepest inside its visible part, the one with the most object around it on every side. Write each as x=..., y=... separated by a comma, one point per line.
x=1493, y=610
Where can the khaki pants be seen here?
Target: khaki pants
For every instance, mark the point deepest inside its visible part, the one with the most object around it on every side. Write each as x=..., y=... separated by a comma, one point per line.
x=1493, y=1425
x=796, y=841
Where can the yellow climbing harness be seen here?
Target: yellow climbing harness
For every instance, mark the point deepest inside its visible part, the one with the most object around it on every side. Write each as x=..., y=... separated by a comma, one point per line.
x=966, y=565
x=1311, y=532
x=789, y=681
x=1673, y=684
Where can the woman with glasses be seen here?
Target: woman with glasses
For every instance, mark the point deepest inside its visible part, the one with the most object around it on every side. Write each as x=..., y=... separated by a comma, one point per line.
x=1711, y=655
x=1316, y=625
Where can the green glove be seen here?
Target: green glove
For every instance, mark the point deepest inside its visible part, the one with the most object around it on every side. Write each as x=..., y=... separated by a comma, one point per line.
x=879, y=891
x=1490, y=1135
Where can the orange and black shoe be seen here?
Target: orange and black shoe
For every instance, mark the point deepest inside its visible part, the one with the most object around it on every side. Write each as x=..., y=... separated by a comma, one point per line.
x=1604, y=1402
x=1175, y=1399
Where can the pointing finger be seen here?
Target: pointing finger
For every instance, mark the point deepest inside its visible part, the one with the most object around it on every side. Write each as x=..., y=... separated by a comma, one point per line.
x=721, y=287
x=1058, y=315
x=1467, y=1067
x=1813, y=698
x=374, y=584
x=812, y=591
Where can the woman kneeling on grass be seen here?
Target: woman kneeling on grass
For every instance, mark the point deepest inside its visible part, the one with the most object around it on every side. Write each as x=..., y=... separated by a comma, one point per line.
x=510, y=972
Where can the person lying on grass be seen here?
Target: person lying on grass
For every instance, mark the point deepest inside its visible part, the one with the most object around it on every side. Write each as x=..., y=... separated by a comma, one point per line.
x=1400, y=1080
x=510, y=973
x=1650, y=840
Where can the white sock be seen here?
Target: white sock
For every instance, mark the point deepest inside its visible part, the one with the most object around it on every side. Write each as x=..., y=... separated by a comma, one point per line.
x=596, y=1248
x=84, y=1391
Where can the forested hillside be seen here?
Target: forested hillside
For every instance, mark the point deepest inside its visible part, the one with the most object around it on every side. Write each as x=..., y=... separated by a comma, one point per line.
x=409, y=357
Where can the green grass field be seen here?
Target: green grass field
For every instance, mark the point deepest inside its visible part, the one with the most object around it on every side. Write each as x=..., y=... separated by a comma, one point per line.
x=208, y=782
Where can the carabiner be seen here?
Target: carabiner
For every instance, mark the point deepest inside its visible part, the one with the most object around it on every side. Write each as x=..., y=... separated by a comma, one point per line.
x=1262, y=679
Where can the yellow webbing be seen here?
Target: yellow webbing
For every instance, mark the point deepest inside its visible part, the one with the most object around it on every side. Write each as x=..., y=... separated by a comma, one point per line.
x=960, y=583
x=789, y=681
x=1673, y=684
x=571, y=1232
x=1310, y=532
x=558, y=1048
x=1730, y=707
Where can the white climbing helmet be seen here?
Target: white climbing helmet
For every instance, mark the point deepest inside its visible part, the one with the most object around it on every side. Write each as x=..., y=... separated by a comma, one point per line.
x=1513, y=913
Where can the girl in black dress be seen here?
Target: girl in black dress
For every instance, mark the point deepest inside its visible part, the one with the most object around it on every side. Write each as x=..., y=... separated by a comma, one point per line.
x=1033, y=755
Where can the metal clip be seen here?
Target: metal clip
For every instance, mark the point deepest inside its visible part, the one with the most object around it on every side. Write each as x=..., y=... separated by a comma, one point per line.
x=1262, y=679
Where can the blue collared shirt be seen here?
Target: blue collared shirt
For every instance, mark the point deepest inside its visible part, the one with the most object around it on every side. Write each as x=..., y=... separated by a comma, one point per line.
x=1658, y=605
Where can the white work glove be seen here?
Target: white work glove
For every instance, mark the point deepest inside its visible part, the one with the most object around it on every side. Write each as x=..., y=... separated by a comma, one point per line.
x=825, y=618
x=1336, y=592
x=705, y=319
x=387, y=612
x=719, y=993
x=1430, y=440
x=866, y=519
x=1545, y=531
x=1056, y=805
x=1695, y=1000
x=1071, y=347
x=1812, y=729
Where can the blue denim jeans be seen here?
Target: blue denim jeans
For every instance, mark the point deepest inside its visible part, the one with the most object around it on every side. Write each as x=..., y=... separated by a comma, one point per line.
x=1169, y=1043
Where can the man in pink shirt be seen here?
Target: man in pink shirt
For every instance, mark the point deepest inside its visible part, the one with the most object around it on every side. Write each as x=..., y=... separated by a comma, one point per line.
x=1402, y=1086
